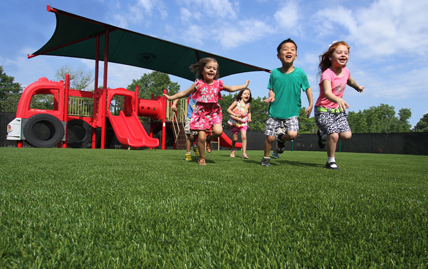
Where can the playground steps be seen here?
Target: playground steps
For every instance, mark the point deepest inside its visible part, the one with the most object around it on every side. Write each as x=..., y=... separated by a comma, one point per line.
x=181, y=141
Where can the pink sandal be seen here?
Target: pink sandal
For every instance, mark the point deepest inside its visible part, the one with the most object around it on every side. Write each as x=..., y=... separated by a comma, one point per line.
x=232, y=154
x=244, y=156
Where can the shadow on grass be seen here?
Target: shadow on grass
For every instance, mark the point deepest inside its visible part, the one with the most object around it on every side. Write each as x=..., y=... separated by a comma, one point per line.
x=276, y=162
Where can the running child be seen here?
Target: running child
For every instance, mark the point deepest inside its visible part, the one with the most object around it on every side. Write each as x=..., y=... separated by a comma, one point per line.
x=285, y=85
x=330, y=108
x=190, y=135
x=240, y=116
x=207, y=113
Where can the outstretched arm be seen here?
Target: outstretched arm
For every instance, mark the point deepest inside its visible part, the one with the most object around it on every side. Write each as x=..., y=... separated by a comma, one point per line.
x=310, y=101
x=181, y=94
x=271, y=97
x=236, y=88
x=341, y=104
x=354, y=84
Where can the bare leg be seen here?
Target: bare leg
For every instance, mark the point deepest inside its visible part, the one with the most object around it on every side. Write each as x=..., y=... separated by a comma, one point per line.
x=268, y=144
x=234, y=139
x=189, y=142
x=202, y=138
x=244, y=141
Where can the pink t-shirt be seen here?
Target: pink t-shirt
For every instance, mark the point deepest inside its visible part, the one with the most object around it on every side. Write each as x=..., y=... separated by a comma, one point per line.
x=208, y=93
x=338, y=86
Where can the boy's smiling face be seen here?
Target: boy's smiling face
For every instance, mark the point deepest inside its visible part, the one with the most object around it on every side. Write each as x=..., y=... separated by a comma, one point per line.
x=288, y=53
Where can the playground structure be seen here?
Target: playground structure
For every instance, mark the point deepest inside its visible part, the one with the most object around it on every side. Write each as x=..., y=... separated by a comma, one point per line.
x=80, y=37
x=71, y=124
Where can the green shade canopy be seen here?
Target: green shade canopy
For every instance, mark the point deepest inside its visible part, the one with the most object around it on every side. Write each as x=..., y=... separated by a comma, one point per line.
x=75, y=36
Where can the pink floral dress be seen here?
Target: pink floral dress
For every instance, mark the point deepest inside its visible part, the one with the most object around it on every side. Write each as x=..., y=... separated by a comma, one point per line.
x=207, y=111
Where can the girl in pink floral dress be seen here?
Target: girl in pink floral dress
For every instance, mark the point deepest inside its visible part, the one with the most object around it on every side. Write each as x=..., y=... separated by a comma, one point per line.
x=207, y=113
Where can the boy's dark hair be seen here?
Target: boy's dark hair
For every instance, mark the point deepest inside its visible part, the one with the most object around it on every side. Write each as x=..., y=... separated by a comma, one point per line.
x=278, y=49
x=239, y=96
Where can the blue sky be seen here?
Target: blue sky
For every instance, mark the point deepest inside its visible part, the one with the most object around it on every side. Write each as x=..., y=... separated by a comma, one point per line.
x=388, y=39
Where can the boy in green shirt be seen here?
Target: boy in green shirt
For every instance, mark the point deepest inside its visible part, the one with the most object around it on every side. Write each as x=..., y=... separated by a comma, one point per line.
x=285, y=85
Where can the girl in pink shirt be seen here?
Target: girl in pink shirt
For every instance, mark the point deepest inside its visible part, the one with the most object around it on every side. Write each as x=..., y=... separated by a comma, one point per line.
x=330, y=108
x=207, y=113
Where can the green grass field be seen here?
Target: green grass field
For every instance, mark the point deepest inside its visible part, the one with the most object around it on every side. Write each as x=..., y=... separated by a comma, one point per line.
x=84, y=208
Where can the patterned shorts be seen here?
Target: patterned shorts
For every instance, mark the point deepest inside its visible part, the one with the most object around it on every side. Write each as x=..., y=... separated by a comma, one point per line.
x=329, y=123
x=235, y=129
x=275, y=126
x=187, y=130
x=205, y=115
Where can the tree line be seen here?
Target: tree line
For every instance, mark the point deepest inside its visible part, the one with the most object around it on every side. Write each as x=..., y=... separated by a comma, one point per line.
x=376, y=119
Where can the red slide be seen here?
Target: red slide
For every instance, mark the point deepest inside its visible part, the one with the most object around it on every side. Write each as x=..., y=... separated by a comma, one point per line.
x=226, y=142
x=129, y=131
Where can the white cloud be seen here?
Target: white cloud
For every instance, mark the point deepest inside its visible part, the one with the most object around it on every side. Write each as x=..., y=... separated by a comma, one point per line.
x=212, y=8
x=245, y=31
x=383, y=28
x=139, y=12
x=194, y=34
x=188, y=16
x=287, y=16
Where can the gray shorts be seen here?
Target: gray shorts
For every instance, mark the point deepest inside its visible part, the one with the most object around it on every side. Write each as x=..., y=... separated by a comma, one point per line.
x=329, y=123
x=275, y=126
x=187, y=130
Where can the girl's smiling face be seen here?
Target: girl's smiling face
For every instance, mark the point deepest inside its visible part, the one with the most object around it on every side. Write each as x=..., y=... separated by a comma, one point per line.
x=246, y=96
x=340, y=56
x=210, y=71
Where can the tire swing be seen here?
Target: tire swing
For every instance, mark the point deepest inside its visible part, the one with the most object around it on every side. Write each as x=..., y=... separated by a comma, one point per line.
x=169, y=136
x=43, y=131
x=79, y=134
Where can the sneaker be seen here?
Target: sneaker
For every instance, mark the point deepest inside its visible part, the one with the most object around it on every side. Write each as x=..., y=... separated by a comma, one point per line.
x=275, y=154
x=280, y=145
x=196, y=151
x=321, y=142
x=188, y=157
x=332, y=165
x=265, y=162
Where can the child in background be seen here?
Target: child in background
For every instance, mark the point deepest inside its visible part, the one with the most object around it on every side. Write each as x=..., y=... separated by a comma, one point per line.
x=240, y=116
x=207, y=113
x=190, y=135
x=330, y=108
x=285, y=85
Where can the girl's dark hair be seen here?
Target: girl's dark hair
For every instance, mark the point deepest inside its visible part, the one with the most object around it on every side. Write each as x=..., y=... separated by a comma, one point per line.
x=199, y=67
x=239, y=96
x=325, y=62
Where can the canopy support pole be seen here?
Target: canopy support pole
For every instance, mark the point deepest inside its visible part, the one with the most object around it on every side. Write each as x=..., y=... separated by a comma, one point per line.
x=104, y=99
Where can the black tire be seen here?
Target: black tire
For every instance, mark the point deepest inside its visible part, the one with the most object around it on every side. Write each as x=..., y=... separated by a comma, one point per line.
x=169, y=136
x=43, y=131
x=79, y=134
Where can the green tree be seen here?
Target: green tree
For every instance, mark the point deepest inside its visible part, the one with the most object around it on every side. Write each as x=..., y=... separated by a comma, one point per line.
x=405, y=114
x=10, y=92
x=80, y=79
x=154, y=82
x=380, y=119
x=306, y=125
x=422, y=125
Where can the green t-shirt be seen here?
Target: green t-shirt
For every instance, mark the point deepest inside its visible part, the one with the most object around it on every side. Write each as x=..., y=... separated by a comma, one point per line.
x=287, y=89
